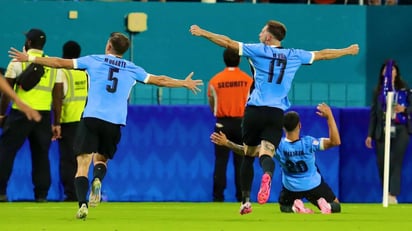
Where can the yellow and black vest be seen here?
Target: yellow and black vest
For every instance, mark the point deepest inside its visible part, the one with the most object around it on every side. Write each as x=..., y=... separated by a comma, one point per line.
x=75, y=98
x=39, y=97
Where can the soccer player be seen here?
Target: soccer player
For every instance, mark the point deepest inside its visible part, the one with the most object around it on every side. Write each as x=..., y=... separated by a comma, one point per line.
x=111, y=79
x=296, y=154
x=273, y=68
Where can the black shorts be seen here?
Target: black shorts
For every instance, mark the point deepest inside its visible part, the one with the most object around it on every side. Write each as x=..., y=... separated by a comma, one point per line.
x=262, y=123
x=287, y=197
x=97, y=136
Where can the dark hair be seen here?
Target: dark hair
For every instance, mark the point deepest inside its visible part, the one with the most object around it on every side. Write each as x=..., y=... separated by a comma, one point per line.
x=277, y=29
x=399, y=82
x=231, y=57
x=37, y=44
x=120, y=42
x=291, y=120
x=71, y=50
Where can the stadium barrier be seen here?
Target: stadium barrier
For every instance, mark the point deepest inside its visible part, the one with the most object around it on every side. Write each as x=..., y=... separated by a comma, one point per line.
x=165, y=154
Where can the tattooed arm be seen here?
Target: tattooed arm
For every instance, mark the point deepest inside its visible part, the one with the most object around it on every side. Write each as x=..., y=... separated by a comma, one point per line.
x=221, y=139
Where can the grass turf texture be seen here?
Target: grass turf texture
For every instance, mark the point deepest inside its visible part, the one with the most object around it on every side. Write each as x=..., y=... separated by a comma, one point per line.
x=198, y=216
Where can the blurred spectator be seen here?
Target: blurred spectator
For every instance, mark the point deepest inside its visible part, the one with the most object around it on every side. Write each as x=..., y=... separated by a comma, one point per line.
x=228, y=1
x=324, y=1
x=151, y=1
x=374, y=2
x=382, y=2
x=391, y=2
x=404, y=2
x=168, y=0
x=283, y=1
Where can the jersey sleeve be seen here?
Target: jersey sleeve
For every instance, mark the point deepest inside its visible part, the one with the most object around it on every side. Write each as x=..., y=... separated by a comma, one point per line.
x=249, y=49
x=140, y=74
x=322, y=146
x=305, y=57
x=314, y=143
x=82, y=62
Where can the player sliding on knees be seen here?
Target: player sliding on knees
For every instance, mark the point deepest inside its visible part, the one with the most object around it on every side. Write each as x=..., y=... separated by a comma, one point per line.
x=296, y=155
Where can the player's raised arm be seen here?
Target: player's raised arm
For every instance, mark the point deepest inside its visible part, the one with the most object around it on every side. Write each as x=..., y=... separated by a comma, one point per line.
x=45, y=61
x=327, y=54
x=334, y=137
x=218, y=39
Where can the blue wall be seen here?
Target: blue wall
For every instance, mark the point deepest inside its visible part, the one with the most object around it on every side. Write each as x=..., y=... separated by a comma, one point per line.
x=165, y=154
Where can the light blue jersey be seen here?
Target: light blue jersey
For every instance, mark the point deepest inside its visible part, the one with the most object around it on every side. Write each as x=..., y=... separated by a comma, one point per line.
x=110, y=82
x=273, y=71
x=299, y=170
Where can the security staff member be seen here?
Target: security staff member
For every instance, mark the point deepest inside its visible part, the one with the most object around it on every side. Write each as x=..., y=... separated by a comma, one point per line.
x=227, y=93
x=46, y=94
x=75, y=93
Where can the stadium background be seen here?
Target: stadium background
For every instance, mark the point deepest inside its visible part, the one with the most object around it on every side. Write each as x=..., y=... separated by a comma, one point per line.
x=178, y=135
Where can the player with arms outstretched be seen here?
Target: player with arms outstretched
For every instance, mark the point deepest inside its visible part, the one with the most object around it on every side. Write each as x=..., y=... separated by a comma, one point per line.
x=111, y=79
x=273, y=68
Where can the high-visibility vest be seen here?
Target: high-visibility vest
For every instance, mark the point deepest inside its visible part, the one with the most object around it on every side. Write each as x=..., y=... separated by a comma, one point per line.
x=39, y=97
x=75, y=98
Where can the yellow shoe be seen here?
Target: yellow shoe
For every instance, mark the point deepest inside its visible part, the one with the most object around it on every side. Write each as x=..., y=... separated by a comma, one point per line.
x=95, y=193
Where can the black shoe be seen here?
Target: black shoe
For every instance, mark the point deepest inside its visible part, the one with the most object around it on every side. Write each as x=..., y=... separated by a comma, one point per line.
x=3, y=198
x=218, y=200
x=40, y=200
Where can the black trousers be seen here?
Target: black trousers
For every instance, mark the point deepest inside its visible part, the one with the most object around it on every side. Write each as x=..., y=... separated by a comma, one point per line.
x=231, y=127
x=399, y=145
x=15, y=131
x=68, y=163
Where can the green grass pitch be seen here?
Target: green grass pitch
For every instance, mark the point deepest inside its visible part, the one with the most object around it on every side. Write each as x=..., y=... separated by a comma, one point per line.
x=173, y=216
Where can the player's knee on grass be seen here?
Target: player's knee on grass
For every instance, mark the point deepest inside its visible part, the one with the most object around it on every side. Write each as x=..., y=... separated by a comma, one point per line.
x=286, y=208
x=335, y=207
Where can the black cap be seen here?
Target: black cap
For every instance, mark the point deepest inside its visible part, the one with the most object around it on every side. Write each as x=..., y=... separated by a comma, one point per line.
x=36, y=35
